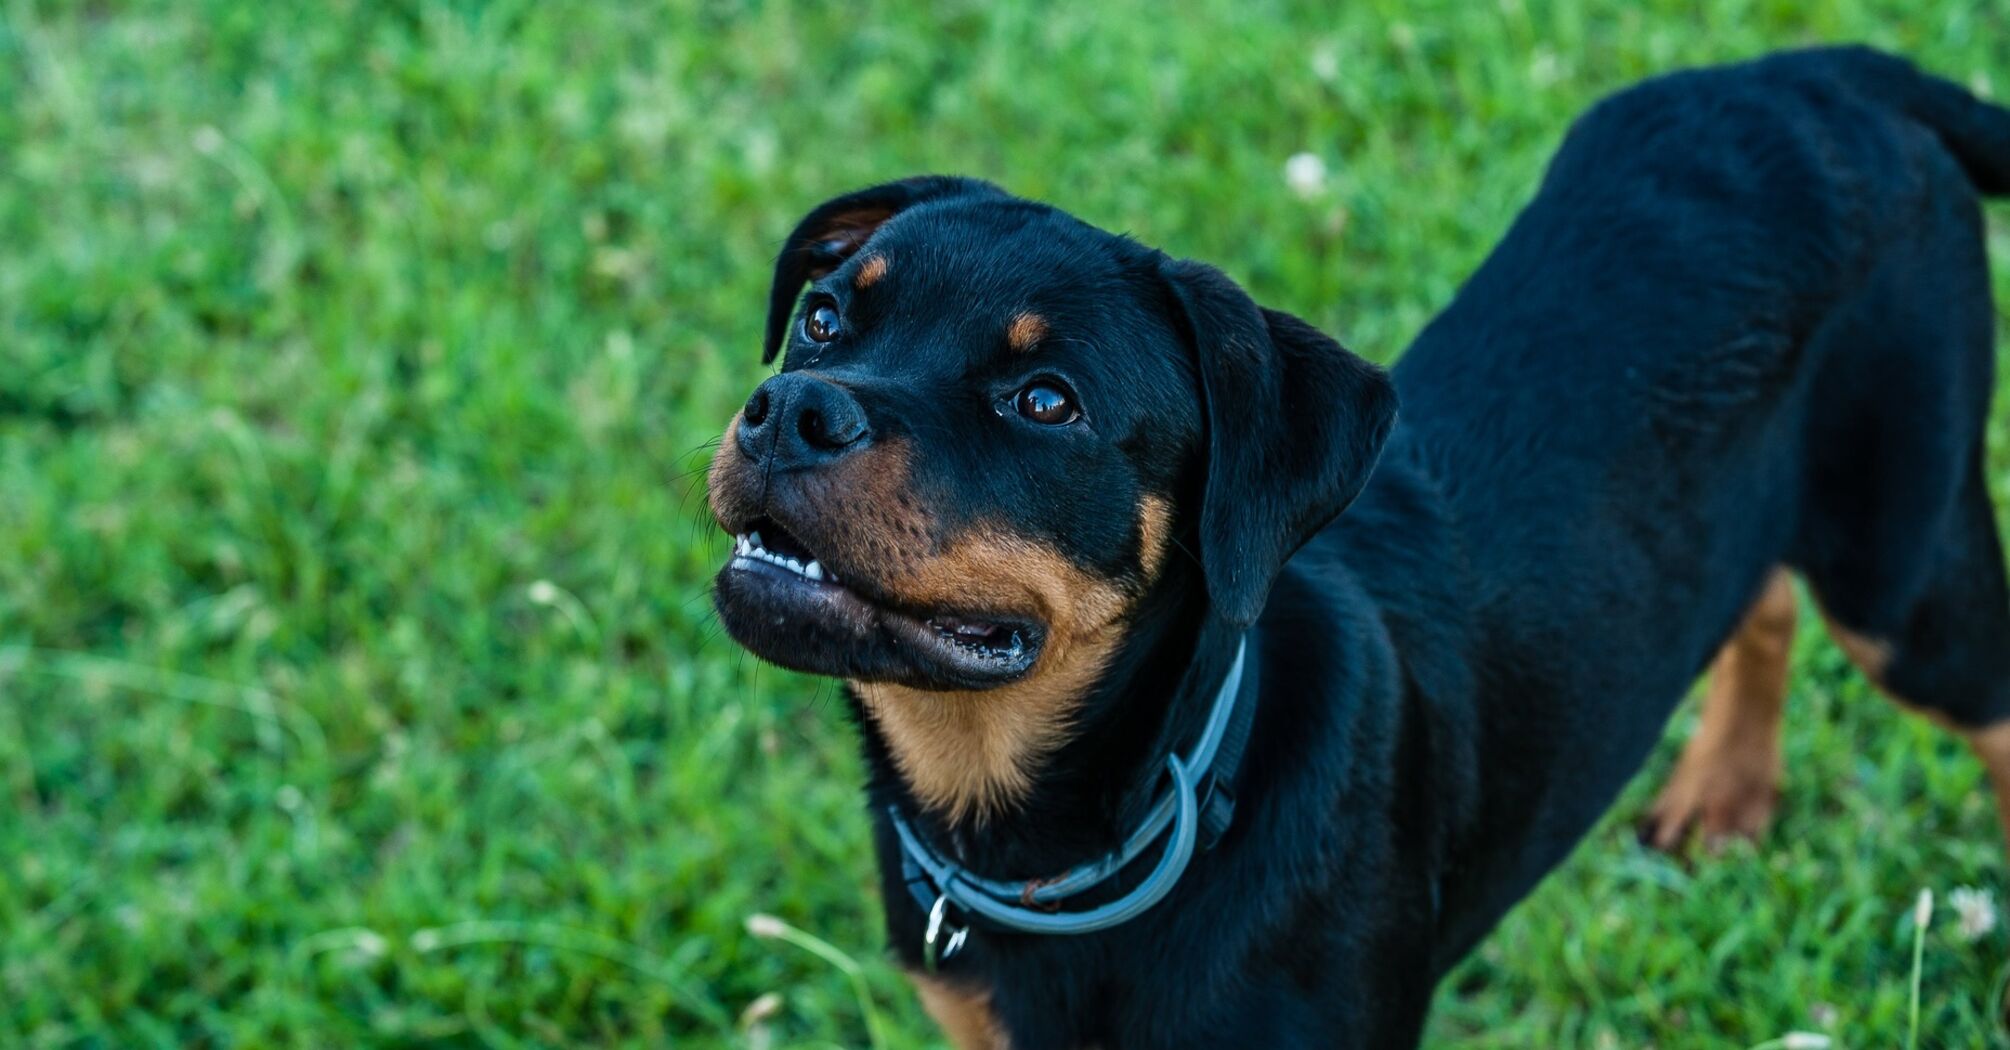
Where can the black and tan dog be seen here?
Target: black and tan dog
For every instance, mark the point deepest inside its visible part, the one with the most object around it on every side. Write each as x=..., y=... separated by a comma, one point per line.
x=1029, y=488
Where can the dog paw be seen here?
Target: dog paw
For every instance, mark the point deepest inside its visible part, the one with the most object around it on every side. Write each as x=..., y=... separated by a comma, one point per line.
x=1713, y=803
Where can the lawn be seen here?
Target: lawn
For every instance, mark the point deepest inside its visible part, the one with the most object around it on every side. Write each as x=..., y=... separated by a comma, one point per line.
x=358, y=681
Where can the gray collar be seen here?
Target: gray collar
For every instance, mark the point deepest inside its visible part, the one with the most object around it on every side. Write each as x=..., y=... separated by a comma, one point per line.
x=1197, y=804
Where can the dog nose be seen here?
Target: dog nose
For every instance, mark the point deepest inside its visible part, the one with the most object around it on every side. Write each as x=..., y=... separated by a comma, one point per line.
x=796, y=420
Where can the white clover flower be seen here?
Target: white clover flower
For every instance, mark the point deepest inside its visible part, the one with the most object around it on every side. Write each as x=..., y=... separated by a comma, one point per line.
x=1326, y=63
x=1974, y=910
x=1305, y=173
x=764, y=1006
x=1546, y=68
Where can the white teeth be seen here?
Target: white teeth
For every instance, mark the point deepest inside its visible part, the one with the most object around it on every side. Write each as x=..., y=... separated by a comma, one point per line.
x=748, y=545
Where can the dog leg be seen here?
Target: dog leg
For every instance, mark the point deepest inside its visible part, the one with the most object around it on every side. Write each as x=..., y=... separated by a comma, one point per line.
x=1727, y=782
x=1992, y=746
x=1991, y=743
x=1946, y=655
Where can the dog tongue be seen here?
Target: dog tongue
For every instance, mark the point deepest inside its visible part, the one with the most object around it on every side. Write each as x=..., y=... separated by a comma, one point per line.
x=972, y=630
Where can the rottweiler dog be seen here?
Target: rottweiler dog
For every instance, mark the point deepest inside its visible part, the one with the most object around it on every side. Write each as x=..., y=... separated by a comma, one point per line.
x=1165, y=750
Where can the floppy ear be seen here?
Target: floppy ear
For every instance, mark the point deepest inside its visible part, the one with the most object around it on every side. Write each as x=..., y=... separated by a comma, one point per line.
x=1295, y=424
x=836, y=229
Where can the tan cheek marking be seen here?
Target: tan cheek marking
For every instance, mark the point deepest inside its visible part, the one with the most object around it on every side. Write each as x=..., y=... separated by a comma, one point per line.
x=869, y=272
x=880, y=524
x=1154, y=534
x=963, y=1014
x=974, y=754
x=1025, y=331
x=968, y=754
x=721, y=488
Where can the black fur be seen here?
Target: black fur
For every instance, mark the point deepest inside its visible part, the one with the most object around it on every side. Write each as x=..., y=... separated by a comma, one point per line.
x=1281, y=463
x=836, y=230
x=1745, y=322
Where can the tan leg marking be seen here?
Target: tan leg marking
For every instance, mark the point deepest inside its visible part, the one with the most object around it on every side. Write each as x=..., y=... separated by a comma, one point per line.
x=964, y=1015
x=1992, y=746
x=1872, y=656
x=1727, y=782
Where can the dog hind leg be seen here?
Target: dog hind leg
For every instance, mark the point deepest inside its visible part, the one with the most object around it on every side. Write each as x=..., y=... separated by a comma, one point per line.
x=1948, y=656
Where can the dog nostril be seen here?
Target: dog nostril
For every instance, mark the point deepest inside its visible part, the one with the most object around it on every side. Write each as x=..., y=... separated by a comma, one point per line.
x=811, y=426
x=757, y=408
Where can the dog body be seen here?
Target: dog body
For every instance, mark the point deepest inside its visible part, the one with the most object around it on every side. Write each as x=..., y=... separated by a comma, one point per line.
x=1744, y=328
x=1745, y=323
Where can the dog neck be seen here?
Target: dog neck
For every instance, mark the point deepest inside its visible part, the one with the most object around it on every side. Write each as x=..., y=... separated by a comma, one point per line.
x=1149, y=695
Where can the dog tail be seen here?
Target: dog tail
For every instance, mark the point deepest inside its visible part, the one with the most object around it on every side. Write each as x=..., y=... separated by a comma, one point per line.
x=1977, y=133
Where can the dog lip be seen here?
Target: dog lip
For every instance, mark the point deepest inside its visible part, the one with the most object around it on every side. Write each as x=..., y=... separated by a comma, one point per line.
x=886, y=639
x=766, y=538
x=949, y=625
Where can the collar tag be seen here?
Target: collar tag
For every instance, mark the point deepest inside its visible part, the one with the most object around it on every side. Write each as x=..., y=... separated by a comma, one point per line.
x=931, y=956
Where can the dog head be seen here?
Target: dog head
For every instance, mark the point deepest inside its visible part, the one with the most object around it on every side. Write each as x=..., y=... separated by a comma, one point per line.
x=993, y=426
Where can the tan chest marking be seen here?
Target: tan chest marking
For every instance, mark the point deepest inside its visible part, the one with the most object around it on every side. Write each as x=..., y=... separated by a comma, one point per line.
x=1154, y=534
x=964, y=1014
x=971, y=754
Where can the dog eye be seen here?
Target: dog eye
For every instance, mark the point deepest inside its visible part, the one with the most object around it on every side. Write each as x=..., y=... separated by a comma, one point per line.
x=821, y=323
x=1046, y=403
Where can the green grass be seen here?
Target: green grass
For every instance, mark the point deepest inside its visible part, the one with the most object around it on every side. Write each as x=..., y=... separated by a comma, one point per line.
x=357, y=682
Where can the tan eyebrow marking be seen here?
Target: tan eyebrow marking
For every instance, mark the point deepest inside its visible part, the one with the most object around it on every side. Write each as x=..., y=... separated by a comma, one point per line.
x=870, y=271
x=1025, y=331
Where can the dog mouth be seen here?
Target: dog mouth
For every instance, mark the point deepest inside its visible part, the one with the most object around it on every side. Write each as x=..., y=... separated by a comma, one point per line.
x=789, y=606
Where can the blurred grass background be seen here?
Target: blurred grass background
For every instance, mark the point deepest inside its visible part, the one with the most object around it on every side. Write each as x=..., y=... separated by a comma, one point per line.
x=358, y=684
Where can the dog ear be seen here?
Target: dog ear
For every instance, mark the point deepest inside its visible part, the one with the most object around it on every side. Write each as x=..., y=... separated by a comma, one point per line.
x=836, y=229
x=1295, y=423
